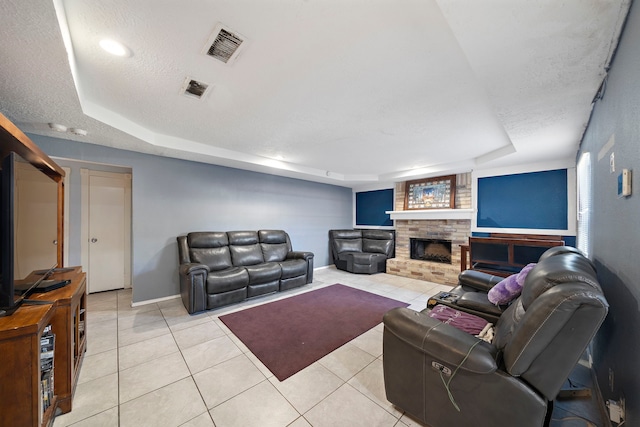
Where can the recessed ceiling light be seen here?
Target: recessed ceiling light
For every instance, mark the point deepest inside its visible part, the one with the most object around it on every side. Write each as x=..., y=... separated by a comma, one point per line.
x=58, y=127
x=114, y=47
x=78, y=131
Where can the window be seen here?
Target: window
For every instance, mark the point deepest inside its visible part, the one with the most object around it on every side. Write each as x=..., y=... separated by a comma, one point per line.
x=584, y=203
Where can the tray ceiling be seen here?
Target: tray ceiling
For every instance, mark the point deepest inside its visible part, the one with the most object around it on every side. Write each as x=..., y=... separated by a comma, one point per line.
x=348, y=93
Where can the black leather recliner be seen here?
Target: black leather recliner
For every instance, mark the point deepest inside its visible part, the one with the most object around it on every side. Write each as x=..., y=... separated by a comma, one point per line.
x=362, y=251
x=473, y=286
x=429, y=365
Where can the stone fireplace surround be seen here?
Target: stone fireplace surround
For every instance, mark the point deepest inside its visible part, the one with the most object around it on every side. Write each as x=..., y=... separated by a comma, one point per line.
x=439, y=224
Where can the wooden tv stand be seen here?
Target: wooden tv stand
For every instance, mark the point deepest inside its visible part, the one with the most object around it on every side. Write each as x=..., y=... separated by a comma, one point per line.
x=20, y=333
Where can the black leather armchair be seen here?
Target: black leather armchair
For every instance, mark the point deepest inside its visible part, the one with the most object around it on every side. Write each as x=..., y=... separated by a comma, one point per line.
x=362, y=251
x=429, y=365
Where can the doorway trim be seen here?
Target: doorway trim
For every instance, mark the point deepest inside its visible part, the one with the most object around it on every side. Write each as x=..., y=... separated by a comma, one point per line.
x=65, y=217
x=84, y=233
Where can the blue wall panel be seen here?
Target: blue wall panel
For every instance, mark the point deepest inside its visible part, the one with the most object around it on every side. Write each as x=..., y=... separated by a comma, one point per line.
x=536, y=200
x=371, y=207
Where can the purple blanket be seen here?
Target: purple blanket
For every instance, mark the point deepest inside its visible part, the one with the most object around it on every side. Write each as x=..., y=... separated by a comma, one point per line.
x=464, y=321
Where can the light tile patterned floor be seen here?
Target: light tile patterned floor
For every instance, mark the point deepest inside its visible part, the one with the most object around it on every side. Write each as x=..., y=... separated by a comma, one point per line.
x=155, y=365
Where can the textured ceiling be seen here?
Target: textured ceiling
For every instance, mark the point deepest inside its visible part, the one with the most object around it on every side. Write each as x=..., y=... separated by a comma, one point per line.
x=345, y=92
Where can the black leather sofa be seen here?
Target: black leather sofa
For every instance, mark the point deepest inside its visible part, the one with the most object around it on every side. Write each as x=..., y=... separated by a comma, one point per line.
x=429, y=365
x=362, y=251
x=218, y=268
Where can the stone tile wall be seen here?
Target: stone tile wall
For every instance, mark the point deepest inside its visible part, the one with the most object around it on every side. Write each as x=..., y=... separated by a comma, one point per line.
x=457, y=231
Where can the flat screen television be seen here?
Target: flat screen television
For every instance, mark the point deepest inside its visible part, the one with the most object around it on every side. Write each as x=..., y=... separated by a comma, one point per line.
x=28, y=227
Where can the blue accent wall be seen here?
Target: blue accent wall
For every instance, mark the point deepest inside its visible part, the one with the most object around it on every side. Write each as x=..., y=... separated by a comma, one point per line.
x=171, y=197
x=535, y=200
x=615, y=222
x=371, y=207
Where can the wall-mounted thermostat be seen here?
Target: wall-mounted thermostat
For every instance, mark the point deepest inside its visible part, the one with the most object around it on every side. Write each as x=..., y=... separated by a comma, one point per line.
x=624, y=183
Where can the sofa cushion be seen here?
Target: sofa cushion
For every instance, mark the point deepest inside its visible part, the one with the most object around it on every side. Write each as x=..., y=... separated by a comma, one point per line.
x=227, y=280
x=366, y=258
x=377, y=246
x=263, y=288
x=209, y=248
x=263, y=272
x=293, y=282
x=293, y=268
x=274, y=252
x=225, y=298
x=347, y=245
x=246, y=255
x=215, y=258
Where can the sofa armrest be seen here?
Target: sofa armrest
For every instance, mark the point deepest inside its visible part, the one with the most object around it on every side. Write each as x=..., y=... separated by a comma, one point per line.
x=479, y=302
x=193, y=286
x=193, y=268
x=300, y=255
x=478, y=280
x=440, y=341
x=307, y=256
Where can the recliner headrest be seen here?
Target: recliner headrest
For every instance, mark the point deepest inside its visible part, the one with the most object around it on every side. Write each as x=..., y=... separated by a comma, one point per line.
x=552, y=271
x=242, y=237
x=377, y=234
x=207, y=239
x=272, y=236
x=345, y=234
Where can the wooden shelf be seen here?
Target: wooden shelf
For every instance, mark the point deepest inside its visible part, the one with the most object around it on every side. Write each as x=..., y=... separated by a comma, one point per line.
x=20, y=333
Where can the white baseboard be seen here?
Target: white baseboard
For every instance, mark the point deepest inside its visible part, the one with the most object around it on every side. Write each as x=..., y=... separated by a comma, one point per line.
x=151, y=301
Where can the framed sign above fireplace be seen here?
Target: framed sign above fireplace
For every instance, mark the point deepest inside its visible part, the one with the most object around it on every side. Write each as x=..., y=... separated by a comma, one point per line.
x=431, y=193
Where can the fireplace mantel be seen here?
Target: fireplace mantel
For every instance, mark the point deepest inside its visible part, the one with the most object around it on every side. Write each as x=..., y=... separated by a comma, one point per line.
x=432, y=214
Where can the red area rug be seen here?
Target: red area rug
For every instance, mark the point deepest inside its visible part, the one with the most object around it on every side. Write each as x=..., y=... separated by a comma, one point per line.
x=290, y=334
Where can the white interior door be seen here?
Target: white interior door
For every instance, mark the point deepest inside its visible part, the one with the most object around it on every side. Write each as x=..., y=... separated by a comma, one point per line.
x=37, y=226
x=108, y=231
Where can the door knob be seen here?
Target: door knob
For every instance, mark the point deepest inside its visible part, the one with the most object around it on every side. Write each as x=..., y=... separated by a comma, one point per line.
x=93, y=240
x=55, y=242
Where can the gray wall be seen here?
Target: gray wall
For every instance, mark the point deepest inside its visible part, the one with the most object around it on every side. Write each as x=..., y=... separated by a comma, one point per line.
x=615, y=230
x=173, y=197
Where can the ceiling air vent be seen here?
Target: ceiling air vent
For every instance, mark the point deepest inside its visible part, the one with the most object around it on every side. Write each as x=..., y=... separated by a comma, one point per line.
x=224, y=44
x=194, y=88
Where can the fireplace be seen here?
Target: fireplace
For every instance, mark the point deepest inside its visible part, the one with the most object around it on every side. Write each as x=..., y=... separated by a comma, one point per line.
x=434, y=250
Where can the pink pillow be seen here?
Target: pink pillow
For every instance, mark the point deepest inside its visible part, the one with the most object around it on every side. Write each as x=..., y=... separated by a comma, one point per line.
x=510, y=288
